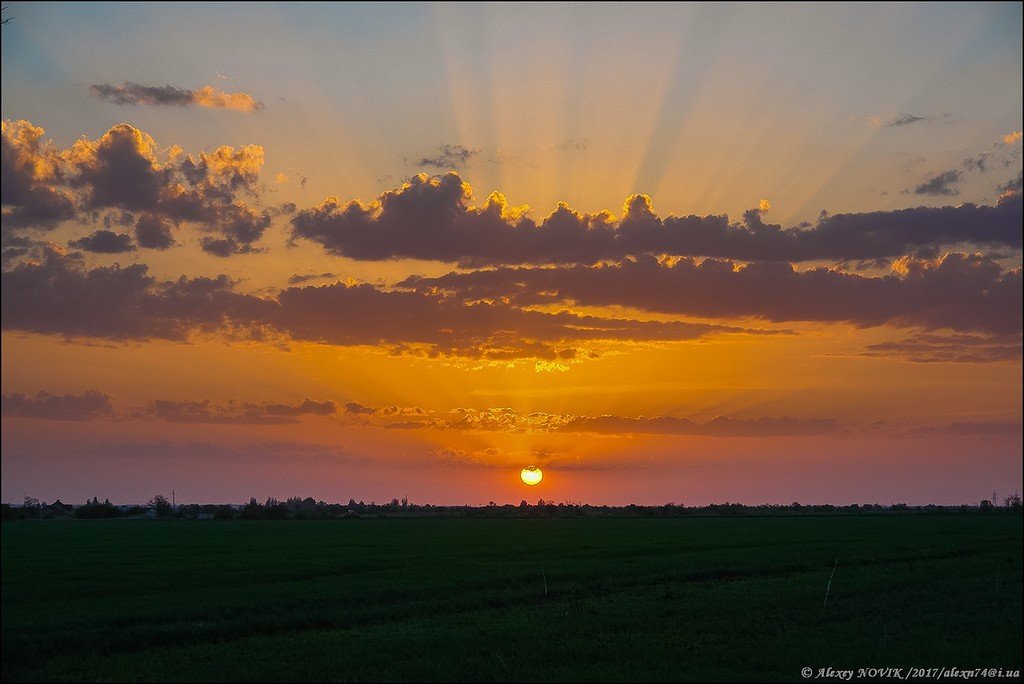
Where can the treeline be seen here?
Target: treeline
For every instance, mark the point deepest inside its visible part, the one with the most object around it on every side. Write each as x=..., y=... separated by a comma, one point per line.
x=295, y=508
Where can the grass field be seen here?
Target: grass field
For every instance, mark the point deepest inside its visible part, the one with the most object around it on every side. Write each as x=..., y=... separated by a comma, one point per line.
x=492, y=600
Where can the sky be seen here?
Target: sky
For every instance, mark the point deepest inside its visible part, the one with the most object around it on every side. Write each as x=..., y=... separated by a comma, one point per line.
x=666, y=253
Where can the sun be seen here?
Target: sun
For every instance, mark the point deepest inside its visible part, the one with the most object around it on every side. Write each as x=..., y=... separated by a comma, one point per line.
x=531, y=475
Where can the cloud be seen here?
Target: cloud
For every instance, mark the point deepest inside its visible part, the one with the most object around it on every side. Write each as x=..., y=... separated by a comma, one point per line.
x=906, y=120
x=122, y=172
x=358, y=409
x=297, y=278
x=942, y=184
x=433, y=218
x=90, y=405
x=18, y=247
x=130, y=93
x=104, y=242
x=31, y=174
x=1011, y=187
x=945, y=183
x=490, y=315
x=153, y=231
x=351, y=314
x=235, y=413
x=719, y=427
x=450, y=157
x=58, y=295
x=507, y=420
x=572, y=145
x=930, y=348
x=957, y=291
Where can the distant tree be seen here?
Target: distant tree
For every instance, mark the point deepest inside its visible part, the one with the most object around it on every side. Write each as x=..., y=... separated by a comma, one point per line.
x=523, y=504
x=252, y=510
x=1012, y=502
x=275, y=509
x=985, y=506
x=32, y=502
x=162, y=505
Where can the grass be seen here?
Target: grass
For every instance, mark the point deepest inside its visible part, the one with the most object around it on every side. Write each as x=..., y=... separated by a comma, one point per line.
x=508, y=600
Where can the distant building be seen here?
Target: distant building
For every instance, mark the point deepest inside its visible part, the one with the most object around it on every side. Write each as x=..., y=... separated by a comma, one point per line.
x=57, y=511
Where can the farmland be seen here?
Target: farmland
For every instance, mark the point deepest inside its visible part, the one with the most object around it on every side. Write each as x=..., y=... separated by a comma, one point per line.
x=506, y=600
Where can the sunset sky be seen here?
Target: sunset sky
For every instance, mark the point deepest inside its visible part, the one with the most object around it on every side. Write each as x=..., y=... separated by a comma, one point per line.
x=666, y=253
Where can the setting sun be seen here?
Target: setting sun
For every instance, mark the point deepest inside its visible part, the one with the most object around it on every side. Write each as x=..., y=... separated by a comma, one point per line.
x=531, y=475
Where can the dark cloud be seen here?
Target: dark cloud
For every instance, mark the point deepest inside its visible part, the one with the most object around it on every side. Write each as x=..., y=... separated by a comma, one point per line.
x=1012, y=186
x=225, y=247
x=345, y=315
x=432, y=218
x=58, y=295
x=235, y=413
x=942, y=184
x=930, y=348
x=358, y=409
x=154, y=232
x=18, y=247
x=489, y=315
x=449, y=157
x=90, y=405
x=123, y=218
x=297, y=278
x=958, y=291
x=130, y=93
x=121, y=173
x=104, y=242
x=980, y=162
x=907, y=119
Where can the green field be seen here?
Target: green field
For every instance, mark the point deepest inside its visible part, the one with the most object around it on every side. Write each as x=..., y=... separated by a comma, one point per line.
x=493, y=600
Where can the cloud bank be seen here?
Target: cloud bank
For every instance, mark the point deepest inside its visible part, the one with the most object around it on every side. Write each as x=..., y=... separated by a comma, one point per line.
x=433, y=218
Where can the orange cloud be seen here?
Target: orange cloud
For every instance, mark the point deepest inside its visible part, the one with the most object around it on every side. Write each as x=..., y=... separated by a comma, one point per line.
x=130, y=93
x=122, y=171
